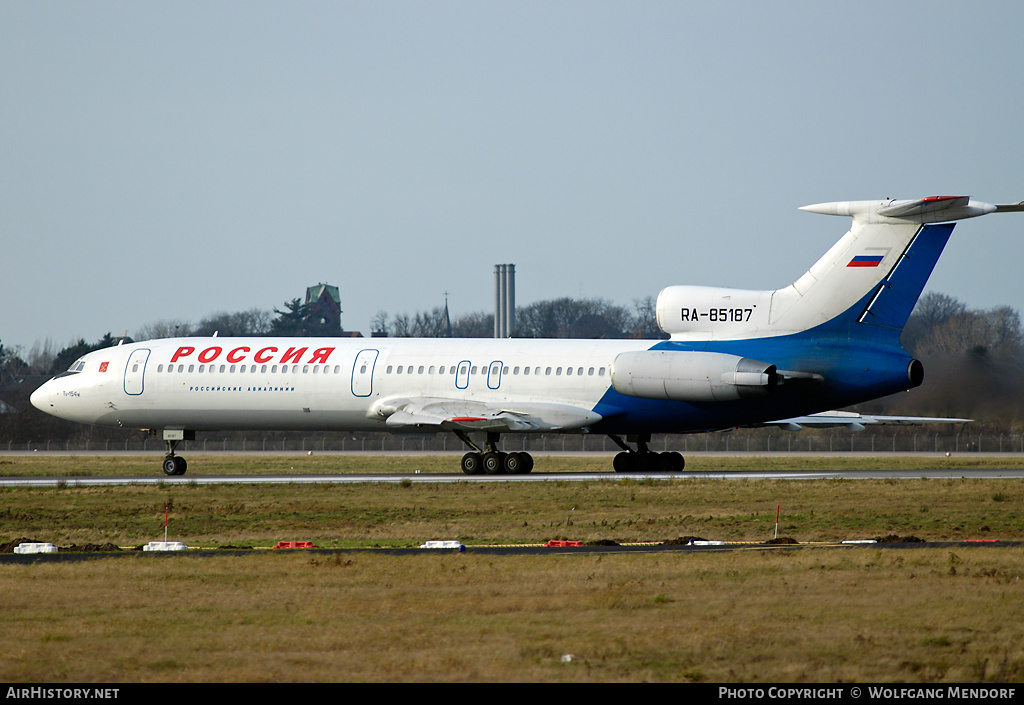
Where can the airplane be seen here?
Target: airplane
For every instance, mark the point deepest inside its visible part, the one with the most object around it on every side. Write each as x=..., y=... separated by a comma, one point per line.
x=733, y=358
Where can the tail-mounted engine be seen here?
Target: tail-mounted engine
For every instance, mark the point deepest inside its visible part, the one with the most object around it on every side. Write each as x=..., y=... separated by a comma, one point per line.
x=691, y=376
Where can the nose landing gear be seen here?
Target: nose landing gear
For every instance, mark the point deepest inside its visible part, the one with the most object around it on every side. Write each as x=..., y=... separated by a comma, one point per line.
x=174, y=464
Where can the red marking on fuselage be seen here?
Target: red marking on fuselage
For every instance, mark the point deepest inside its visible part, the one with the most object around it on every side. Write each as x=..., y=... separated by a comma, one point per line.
x=240, y=354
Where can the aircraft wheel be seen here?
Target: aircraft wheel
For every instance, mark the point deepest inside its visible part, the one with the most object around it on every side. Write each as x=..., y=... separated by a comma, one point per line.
x=670, y=461
x=494, y=463
x=518, y=463
x=527, y=463
x=512, y=464
x=471, y=464
x=644, y=462
x=174, y=465
x=623, y=462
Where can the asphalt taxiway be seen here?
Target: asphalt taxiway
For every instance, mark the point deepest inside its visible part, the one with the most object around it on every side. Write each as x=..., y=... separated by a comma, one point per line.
x=442, y=478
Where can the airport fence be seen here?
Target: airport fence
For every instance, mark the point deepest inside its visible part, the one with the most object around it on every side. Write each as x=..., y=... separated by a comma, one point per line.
x=725, y=442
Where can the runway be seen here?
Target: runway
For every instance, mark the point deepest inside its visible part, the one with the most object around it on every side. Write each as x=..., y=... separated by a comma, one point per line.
x=443, y=478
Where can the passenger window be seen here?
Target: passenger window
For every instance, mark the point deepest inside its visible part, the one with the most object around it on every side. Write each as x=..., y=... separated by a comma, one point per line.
x=568, y=371
x=515, y=371
x=263, y=369
x=273, y=369
x=420, y=369
x=181, y=368
x=591, y=372
x=558, y=371
x=579, y=371
x=473, y=371
x=600, y=372
x=547, y=371
x=160, y=368
x=232, y=368
x=191, y=368
x=431, y=370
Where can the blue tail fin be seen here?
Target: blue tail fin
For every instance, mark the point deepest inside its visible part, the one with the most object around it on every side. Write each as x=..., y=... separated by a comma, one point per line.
x=893, y=300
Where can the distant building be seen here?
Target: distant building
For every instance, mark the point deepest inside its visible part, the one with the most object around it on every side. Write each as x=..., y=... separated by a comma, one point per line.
x=323, y=312
x=323, y=308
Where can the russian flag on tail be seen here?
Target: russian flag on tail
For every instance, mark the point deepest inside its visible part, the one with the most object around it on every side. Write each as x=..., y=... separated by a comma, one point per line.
x=866, y=261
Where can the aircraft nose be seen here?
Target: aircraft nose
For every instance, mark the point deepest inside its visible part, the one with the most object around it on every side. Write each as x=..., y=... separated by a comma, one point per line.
x=41, y=397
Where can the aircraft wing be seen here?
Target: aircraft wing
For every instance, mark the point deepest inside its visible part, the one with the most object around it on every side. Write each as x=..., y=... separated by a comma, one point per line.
x=419, y=413
x=857, y=422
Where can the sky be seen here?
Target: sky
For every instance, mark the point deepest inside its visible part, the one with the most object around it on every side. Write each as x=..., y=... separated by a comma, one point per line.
x=169, y=161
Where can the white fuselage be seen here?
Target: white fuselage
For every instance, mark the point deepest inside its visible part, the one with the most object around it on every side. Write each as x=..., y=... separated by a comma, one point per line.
x=320, y=383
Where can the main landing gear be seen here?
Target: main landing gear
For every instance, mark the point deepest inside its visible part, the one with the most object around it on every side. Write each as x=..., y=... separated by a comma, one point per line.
x=643, y=459
x=492, y=461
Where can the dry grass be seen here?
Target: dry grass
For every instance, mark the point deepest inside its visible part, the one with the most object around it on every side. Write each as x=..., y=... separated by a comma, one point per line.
x=783, y=616
x=808, y=615
x=621, y=510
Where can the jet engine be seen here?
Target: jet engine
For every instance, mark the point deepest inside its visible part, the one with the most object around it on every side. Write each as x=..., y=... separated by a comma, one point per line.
x=691, y=376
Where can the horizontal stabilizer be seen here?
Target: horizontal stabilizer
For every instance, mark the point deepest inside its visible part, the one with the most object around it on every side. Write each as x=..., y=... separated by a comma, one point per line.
x=933, y=209
x=899, y=209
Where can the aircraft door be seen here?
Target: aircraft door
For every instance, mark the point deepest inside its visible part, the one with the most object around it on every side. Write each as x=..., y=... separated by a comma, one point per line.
x=362, y=373
x=462, y=375
x=494, y=375
x=135, y=372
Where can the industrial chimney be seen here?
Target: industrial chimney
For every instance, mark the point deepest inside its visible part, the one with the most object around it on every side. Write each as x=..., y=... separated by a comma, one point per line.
x=504, y=300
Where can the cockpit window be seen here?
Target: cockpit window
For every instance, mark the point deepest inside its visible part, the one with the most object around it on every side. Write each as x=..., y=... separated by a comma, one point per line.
x=77, y=366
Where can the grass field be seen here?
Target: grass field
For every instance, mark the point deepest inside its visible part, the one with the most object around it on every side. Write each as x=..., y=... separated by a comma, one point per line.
x=808, y=615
